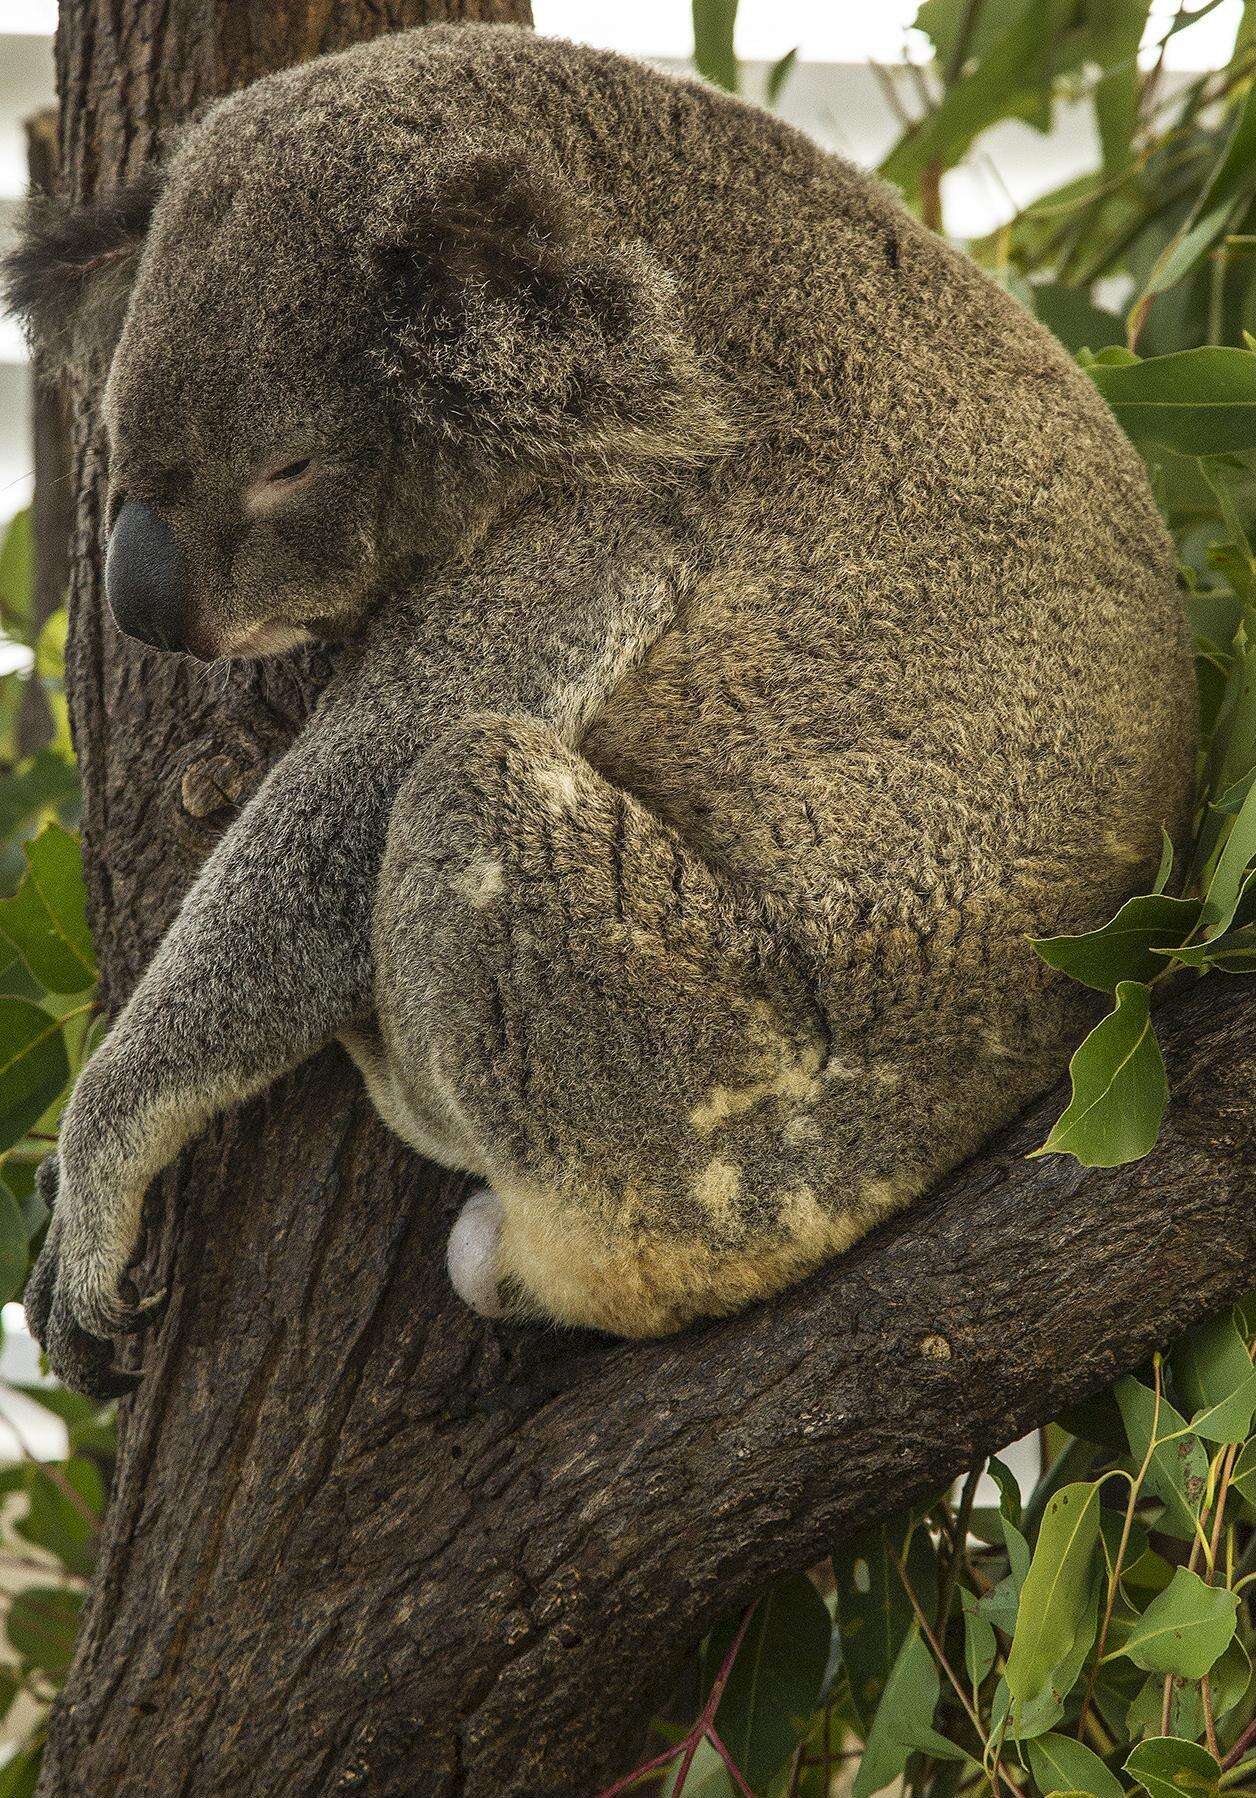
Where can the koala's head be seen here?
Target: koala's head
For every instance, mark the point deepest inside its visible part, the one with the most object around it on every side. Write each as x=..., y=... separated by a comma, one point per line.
x=337, y=339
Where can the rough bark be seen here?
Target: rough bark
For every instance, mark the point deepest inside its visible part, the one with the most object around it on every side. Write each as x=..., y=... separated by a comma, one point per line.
x=52, y=511
x=360, y=1540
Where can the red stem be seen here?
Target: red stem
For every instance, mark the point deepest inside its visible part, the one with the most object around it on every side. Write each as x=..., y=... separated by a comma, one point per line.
x=704, y=1725
x=735, y=1772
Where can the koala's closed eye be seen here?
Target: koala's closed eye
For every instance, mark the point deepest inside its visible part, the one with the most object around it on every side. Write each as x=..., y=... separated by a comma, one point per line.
x=278, y=483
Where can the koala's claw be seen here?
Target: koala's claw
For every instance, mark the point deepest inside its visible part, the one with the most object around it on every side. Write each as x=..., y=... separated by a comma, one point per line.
x=85, y=1362
x=81, y=1357
x=136, y=1316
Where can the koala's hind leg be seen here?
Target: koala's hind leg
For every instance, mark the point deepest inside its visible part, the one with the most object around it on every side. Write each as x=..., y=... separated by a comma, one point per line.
x=612, y=1026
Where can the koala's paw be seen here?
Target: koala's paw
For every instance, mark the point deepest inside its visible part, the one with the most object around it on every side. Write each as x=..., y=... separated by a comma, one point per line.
x=72, y=1305
x=472, y=1254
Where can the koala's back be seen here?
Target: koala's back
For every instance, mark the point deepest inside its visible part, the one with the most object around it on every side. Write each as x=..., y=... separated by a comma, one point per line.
x=929, y=633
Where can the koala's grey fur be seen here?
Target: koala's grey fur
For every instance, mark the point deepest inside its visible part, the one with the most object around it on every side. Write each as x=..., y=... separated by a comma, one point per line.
x=756, y=630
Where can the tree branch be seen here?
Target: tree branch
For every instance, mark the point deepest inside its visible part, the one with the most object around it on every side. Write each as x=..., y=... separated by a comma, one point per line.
x=333, y=1473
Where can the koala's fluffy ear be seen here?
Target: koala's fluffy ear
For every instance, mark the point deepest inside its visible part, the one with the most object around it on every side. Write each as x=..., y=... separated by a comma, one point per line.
x=70, y=276
x=516, y=328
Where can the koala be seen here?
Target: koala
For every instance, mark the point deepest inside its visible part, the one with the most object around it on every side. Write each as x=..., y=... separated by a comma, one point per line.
x=750, y=629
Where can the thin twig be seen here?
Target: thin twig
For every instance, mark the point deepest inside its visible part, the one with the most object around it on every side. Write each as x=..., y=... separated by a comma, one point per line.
x=703, y=1726
x=940, y=1657
x=1114, y=1578
x=963, y=1517
x=52, y=1473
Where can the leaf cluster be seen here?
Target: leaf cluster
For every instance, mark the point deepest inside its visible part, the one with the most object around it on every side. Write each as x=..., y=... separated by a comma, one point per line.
x=1092, y=1636
x=49, y=1510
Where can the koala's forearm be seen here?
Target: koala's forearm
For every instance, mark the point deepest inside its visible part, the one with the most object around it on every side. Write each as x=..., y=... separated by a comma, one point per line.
x=269, y=957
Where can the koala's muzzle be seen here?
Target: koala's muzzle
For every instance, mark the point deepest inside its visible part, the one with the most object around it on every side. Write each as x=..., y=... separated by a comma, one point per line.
x=145, y=578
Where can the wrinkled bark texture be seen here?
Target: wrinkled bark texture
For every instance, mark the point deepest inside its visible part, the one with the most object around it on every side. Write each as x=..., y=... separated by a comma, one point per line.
x=362, y=1541
x=52, y=514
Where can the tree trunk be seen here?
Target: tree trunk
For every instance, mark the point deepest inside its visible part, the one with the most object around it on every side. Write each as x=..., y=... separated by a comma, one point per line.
x=361, y=1541
x=52, y=512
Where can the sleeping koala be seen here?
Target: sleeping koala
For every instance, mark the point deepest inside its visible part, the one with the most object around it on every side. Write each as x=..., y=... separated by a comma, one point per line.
x=754, y=629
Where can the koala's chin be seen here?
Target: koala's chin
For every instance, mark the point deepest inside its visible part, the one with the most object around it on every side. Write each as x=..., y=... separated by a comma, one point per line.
x=254, y=642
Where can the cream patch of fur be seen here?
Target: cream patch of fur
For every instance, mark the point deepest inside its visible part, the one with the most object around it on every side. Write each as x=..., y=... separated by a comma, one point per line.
x=795, y=1079
x=559, y=783
x=1124, y=849
x=718, y=1187
x=480, y=882
x=888, y=1195
x=610, y=1276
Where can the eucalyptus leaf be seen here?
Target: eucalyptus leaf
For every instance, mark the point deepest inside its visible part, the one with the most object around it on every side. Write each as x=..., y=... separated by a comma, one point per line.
x=1184, y=1629
x=903, y=1723
x=1119, y=1088
x=53, y=1521
x=34, y=1067
x=1178, y=1470
x=775, y=1681
x=1213, y=1373
x=874, y=1613
x=14, y=1246
x=46, y=919
x=1054, y=1596
x=714, y=23
x=1060, y=1764
x=1201, y=402
x=1169, y=1767
x=1123, y=948
x=980, y=1644
x=41, y=1626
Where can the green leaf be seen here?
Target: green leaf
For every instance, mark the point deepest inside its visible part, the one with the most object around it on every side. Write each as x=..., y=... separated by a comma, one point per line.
x=1178, y=1471
x=9, y=1689
x=1243, y=1479
x=1111, y=1529
x=54, y=1522
x=46, y=920
x=20, y=1775
x=1122, y=949
x=1043, y=1712
x=1228, y=187
x=1074, y=317
x=714, y=25
x=1201, y=402
x=1184, y=1629
x=17, y=576
x=980, y=1643
x=903, y=1724
x=1225, y=889
x=1119, y=1088
x=33, y=1067
x=1227, y=1682
x=776, y=1679
x=42, y=1624
x=1168, y=1767
x=47, y=784
x=874, y=1613
x=707, y=1778
x=1114, y=29
x=14, y=1246
x=1061, y=1765
x=1055, y=1593
x=1013, y=65
x=778, y=75
x=1213, y=1373
x=88, y=1425
x=1009, y=1491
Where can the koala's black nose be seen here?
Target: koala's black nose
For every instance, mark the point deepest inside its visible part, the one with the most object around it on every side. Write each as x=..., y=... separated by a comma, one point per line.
x=145, y=580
